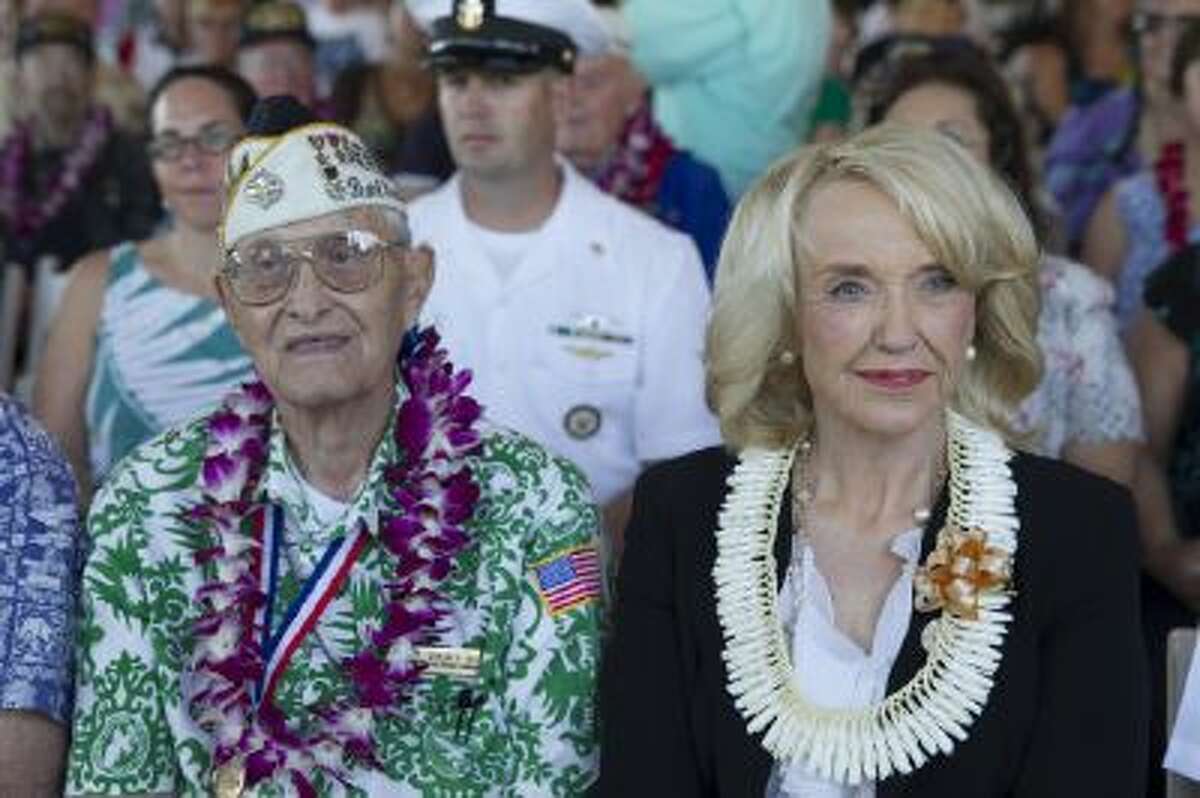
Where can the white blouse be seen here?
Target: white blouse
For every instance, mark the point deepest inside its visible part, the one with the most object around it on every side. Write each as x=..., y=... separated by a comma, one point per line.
x=831, y=669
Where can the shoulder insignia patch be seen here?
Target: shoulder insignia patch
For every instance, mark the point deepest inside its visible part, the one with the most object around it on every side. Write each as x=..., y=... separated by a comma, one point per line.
x=568, y=579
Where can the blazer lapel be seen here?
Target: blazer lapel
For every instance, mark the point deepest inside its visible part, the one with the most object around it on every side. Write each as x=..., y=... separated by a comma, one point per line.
x=783, y=538
x=912, y=653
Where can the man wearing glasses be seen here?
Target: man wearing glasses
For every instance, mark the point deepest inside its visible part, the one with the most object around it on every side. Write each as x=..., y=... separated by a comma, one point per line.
x=343, y=576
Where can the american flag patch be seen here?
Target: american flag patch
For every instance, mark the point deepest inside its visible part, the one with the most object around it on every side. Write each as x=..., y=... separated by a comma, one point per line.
x=568, y=579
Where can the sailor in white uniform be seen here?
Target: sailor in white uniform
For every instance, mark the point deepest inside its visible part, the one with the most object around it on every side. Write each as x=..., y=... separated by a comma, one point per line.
x=582, y=318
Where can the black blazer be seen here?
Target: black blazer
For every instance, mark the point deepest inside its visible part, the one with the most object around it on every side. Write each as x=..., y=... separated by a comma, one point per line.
x=1066, y=716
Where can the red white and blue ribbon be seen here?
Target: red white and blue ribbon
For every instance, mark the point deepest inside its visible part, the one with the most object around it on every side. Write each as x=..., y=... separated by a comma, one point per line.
x=305, y=612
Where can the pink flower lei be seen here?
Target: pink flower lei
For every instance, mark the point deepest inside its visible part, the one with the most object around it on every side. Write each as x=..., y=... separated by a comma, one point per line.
x=27, y=215
x=432, y=494
x=1170, y=177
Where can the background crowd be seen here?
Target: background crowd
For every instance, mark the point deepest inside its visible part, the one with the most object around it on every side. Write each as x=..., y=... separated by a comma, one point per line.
x=602, y=202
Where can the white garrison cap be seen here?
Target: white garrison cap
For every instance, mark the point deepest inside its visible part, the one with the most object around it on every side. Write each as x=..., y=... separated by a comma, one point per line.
x=285, y=172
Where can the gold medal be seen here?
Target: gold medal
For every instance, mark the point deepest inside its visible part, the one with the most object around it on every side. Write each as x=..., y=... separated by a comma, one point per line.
x=229, y=780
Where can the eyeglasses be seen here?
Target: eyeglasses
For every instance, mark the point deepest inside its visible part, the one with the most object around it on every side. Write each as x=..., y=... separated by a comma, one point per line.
x=956, y=132
x=262, y=271
x=1151, y=22
x=211, y=140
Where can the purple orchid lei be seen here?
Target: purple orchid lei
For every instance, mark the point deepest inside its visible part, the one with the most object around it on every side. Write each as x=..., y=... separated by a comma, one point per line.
x=432, y=494
x=26, y=215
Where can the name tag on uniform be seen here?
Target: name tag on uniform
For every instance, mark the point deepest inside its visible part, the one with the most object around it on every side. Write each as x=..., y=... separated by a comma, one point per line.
x=456, y=663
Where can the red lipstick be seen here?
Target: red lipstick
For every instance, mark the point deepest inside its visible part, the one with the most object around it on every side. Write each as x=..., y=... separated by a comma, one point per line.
x=895, y=379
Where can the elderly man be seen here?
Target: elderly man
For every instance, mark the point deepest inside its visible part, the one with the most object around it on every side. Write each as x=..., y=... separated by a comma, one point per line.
x=275, y=52
x=39, y=581
x=606, y=129
x=581, y=317
x=342, y=576
x=71, y=182
x=213, y=29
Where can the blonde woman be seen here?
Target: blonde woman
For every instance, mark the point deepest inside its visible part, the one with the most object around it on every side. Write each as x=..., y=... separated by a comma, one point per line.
x=868, y=591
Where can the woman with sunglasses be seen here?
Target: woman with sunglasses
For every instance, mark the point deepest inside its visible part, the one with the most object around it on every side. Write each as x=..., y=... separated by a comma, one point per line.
x=140, y=342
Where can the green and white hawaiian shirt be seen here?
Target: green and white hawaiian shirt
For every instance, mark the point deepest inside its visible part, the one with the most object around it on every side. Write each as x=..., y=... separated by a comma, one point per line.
x=533, y=732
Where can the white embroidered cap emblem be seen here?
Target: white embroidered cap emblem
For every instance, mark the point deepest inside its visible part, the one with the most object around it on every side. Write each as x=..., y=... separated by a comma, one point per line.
x=264, y=189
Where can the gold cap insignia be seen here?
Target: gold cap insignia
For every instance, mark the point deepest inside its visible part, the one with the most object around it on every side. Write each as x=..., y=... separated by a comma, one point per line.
x=470, y=14
x=276, y=18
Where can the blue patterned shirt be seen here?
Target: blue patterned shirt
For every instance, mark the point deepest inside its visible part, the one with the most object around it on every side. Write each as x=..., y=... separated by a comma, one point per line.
x=39, y=567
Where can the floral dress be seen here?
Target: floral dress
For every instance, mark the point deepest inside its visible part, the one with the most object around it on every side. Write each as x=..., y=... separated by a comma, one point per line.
x=1141, y=210
x=1088, y=393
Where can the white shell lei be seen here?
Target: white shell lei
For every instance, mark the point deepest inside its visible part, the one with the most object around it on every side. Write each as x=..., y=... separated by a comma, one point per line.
x=928, y=714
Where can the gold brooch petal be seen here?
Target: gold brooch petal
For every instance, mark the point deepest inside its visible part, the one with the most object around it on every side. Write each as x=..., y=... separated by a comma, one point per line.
x=960, y=570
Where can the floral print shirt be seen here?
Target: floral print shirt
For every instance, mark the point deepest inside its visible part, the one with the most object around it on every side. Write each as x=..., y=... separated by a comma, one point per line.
x=530, y=728
x=39, y=578
x=1088, y=393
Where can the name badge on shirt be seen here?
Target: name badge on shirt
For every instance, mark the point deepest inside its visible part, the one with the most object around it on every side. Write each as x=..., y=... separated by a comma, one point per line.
x=451, y=661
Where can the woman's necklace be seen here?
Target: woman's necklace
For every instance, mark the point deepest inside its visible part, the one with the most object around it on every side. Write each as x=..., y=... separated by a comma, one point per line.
x=966, y=577
x=804, y=487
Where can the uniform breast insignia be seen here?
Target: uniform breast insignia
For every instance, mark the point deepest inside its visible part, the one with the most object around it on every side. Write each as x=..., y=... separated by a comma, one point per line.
x=591, y=327
x=588, y=352
x=582, y=422
x=470, y=14
x=568, y=579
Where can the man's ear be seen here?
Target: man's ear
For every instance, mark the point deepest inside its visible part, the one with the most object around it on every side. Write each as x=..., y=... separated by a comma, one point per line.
x=222, y=295
x=419, y=276
x=227, y=301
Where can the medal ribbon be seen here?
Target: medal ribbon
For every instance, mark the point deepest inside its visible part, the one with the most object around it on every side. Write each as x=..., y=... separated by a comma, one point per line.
x=315, y=595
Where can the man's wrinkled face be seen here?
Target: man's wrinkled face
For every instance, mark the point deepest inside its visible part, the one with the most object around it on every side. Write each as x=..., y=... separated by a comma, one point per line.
x=593, y=106
x=317, y=347
x=56, y=87
x=213, y=30
x=280, y=67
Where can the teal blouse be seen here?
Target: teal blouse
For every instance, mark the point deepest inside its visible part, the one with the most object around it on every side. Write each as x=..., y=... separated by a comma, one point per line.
x=162, y=357
x=734, y=80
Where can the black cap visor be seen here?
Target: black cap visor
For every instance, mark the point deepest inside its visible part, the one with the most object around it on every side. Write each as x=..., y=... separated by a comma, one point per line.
x=500, y=45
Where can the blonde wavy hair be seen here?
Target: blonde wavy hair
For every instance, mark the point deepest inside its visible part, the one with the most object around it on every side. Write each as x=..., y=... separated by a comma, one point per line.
x=964, y=215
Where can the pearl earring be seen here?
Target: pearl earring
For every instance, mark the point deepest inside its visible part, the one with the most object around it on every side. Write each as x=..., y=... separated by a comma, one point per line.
x=970, y=352
x=787, y=357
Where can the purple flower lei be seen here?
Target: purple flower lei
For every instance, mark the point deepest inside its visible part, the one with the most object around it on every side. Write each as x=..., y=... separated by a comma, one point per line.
x=27, y=215
x=432, y=492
